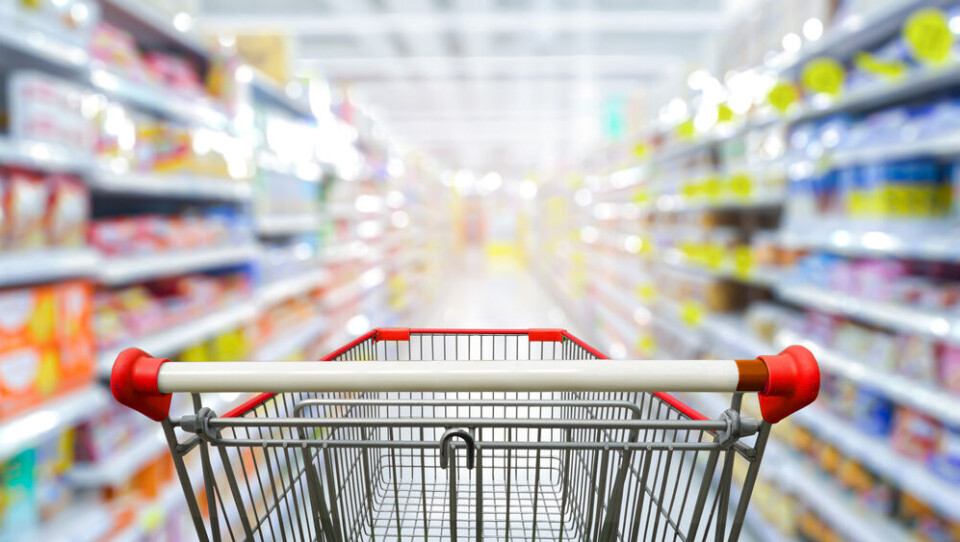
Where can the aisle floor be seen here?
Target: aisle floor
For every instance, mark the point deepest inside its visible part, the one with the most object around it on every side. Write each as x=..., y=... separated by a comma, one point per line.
x=482, y=292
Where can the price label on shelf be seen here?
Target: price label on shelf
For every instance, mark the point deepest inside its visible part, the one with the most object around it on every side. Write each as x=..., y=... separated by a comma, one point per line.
x=686, y=130
x=647, y=345
x=783, y=95
x=691, y=313
x=886, y=69
x=713, y=256
x=927, y=35
x=711, y=188
x=743, y=261
x=646, y=292
x=640, y=150
x=823, y=75
x=724, y=113
x=741, y=186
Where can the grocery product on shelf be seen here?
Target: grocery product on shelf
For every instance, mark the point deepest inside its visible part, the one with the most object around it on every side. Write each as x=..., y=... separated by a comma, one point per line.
x=43, y=108
x=153, y=234
x=122, y=314
x=45, y=343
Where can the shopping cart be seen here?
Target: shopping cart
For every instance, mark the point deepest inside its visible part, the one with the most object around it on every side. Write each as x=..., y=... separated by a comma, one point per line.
x=434, y=434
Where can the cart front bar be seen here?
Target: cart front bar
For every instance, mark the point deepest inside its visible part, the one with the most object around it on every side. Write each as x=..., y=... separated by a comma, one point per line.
x=786, y=382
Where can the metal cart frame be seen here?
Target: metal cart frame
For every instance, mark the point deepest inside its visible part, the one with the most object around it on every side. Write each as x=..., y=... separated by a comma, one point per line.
x=367, y=445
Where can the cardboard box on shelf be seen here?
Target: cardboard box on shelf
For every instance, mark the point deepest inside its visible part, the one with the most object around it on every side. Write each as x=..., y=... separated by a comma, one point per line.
x=28, y=375
x=27, y=316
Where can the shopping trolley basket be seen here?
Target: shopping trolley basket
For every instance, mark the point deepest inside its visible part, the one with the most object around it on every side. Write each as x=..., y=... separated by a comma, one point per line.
x=428, y=434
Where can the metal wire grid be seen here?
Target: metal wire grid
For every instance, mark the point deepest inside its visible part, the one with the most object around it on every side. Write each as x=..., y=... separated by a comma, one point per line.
x=662, y=491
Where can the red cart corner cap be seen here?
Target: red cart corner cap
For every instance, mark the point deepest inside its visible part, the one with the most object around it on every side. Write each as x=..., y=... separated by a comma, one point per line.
x=392, y=334
x=133, y=382
x=793, y=383
x=545, y=335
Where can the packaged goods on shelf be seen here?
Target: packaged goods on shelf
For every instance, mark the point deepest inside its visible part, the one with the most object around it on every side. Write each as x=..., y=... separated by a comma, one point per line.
x=126, y=313
x=41, y=211
x=155, y=234
x=44, y=108
x=281, y=260
x=33, y=485
x=71, y=21
x=46, y=345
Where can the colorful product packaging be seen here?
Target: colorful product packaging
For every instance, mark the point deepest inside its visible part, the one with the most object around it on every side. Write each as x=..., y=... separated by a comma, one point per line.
x=74, y=332
x=25, y=207
x=915, y=434
x=19, y=507
x=68, y=212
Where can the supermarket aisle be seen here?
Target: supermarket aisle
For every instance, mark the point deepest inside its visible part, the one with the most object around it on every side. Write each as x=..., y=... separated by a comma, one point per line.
x=480, y=292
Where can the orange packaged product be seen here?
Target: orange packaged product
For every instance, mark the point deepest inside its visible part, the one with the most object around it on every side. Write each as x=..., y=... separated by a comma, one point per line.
x=26, y=316
x=29, y=375
x=74, y=309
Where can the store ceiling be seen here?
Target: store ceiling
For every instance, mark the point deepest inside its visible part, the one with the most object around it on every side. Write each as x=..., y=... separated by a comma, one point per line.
x=505, y=85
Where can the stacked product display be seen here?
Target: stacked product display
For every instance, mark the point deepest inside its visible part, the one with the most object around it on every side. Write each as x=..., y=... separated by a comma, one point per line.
x=819, y=208
x=142, y=203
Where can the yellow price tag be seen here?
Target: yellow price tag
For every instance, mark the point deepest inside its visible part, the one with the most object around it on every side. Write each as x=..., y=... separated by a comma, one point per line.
x=713, y=256
x=685, y=130
x=741, y=185
x=928, y=36
x=691, y=313
x=724, y=113
x=743, y=260
x=886, y=69
x=640, y=150
x=823, y=75
x=647, y=345
x=646, y=292
x=711, y=188
x=783, y=95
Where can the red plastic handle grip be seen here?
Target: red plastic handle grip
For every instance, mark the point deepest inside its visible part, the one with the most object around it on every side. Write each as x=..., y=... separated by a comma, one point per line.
x=133, y=382
x=793, y=383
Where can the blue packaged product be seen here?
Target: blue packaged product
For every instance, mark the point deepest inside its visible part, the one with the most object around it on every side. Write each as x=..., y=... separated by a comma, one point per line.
x=872, y=412
x=946, y=459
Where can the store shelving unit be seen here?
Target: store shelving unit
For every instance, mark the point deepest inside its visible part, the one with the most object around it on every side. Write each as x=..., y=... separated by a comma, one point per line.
x=83, y=522
x=44, y=50
x=936, y=402
x=599, y=237
x=121, y=465
x=875, y=452
x=186, y=109
x=158, y=185
x=49, y=419
x=289, y=342
x=335, y=256
x=279, y=290
x=47, y=266
x=926, y=322
x=124, y=270
x=172, y=340
x=51, y=157
x=281, y=225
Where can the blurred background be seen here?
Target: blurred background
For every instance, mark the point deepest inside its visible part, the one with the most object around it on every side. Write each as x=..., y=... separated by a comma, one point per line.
x=247, y=180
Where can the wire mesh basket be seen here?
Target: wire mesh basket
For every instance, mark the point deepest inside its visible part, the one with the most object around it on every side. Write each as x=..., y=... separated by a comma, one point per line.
x=467, y=435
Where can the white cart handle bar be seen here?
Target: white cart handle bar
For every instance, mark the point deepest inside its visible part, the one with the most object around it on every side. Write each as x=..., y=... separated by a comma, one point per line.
x=786, y=382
